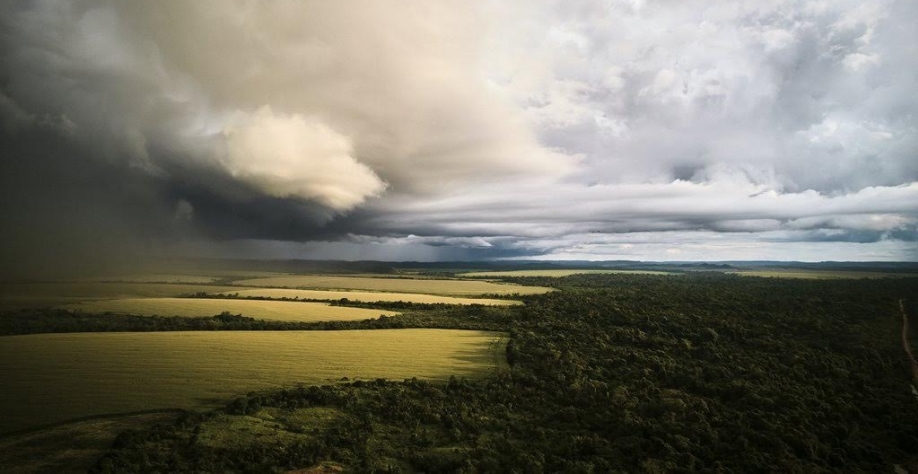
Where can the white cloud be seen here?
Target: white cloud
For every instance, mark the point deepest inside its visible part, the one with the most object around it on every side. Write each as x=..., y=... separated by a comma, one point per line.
x=360, y=94
x=716, y=127
x=858, y=62
x=292, y=156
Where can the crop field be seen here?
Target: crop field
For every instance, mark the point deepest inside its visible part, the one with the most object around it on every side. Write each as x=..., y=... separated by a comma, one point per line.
x=28, y=295
x=50, y=378
x=818, y=274
x=270, y=310
x=398, y=285
x=365, y=296
x=556, y=273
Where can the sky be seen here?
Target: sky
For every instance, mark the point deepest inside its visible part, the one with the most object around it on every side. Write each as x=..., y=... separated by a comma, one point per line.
x=415, y=130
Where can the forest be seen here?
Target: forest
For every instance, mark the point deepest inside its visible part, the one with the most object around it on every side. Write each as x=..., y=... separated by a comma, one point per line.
x=615, y=373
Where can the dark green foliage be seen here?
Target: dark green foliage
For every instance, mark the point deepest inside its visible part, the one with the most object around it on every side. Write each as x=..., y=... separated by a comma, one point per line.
x=36, y=321
x=620, y=373
x=60, y=320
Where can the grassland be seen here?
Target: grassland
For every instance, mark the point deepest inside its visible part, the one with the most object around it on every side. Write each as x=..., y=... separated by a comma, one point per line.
x=398, y=285
x=31, y=295
x=266, y=426
x=365, y=296
x=269, y=310
x=818, y=274
x=49, y=378
x=556, y=273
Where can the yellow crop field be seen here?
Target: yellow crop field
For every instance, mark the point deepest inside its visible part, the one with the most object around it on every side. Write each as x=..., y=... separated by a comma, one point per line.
x=818, y=274
x=366, y=296
x=26, y=295
x=50, y=378
x=398, y=285
x=556, y=273
x=271, y=310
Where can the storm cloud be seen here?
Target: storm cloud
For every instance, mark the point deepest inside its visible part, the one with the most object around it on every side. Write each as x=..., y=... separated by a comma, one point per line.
x=449, y=130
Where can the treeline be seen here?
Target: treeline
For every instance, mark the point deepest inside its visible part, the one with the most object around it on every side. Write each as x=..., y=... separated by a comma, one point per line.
x=38, y=321
x=617, y=373
x=396, y=305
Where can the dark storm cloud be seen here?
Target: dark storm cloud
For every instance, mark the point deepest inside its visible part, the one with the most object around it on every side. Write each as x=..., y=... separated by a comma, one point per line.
x=619, y=129
x=246, y=121
x=64, y=213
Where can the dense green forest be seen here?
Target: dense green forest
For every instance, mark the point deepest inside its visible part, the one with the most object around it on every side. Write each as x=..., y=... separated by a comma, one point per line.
x=53, y=320
x=625, y=373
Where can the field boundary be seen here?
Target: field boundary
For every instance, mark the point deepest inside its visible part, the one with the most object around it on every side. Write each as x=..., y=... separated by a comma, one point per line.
x=111, y=367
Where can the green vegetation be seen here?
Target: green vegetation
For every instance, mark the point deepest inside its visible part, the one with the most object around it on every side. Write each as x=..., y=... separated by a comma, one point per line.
x=398, y=285
x=818, y=274
x=617, y=372
x=268, y=310
x=49, y=378
x=41, y=321
x=71, y=447
x=613, y=373
x=364, y=296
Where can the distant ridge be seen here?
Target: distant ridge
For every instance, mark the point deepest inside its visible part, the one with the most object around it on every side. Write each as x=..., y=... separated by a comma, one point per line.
x=393, y=267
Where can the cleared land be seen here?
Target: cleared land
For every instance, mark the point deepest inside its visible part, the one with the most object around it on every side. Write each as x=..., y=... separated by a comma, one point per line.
x=398, y=285
x=365, y=296
x=818, y=274
x=49, y=378
x=270, y=310
x=29, y=295
x=555, y=273
x=266, y=427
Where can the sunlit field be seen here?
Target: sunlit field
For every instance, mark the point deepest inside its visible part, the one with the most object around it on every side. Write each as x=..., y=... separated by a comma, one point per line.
x=49, y=378
x=365, y=296
x=555, y=273
x=269, y=310
x=399, y=285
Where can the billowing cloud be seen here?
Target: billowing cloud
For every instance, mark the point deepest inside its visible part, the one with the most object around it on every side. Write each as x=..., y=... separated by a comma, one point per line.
x=470, y=129
x=291, y=156
x=299, y=99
